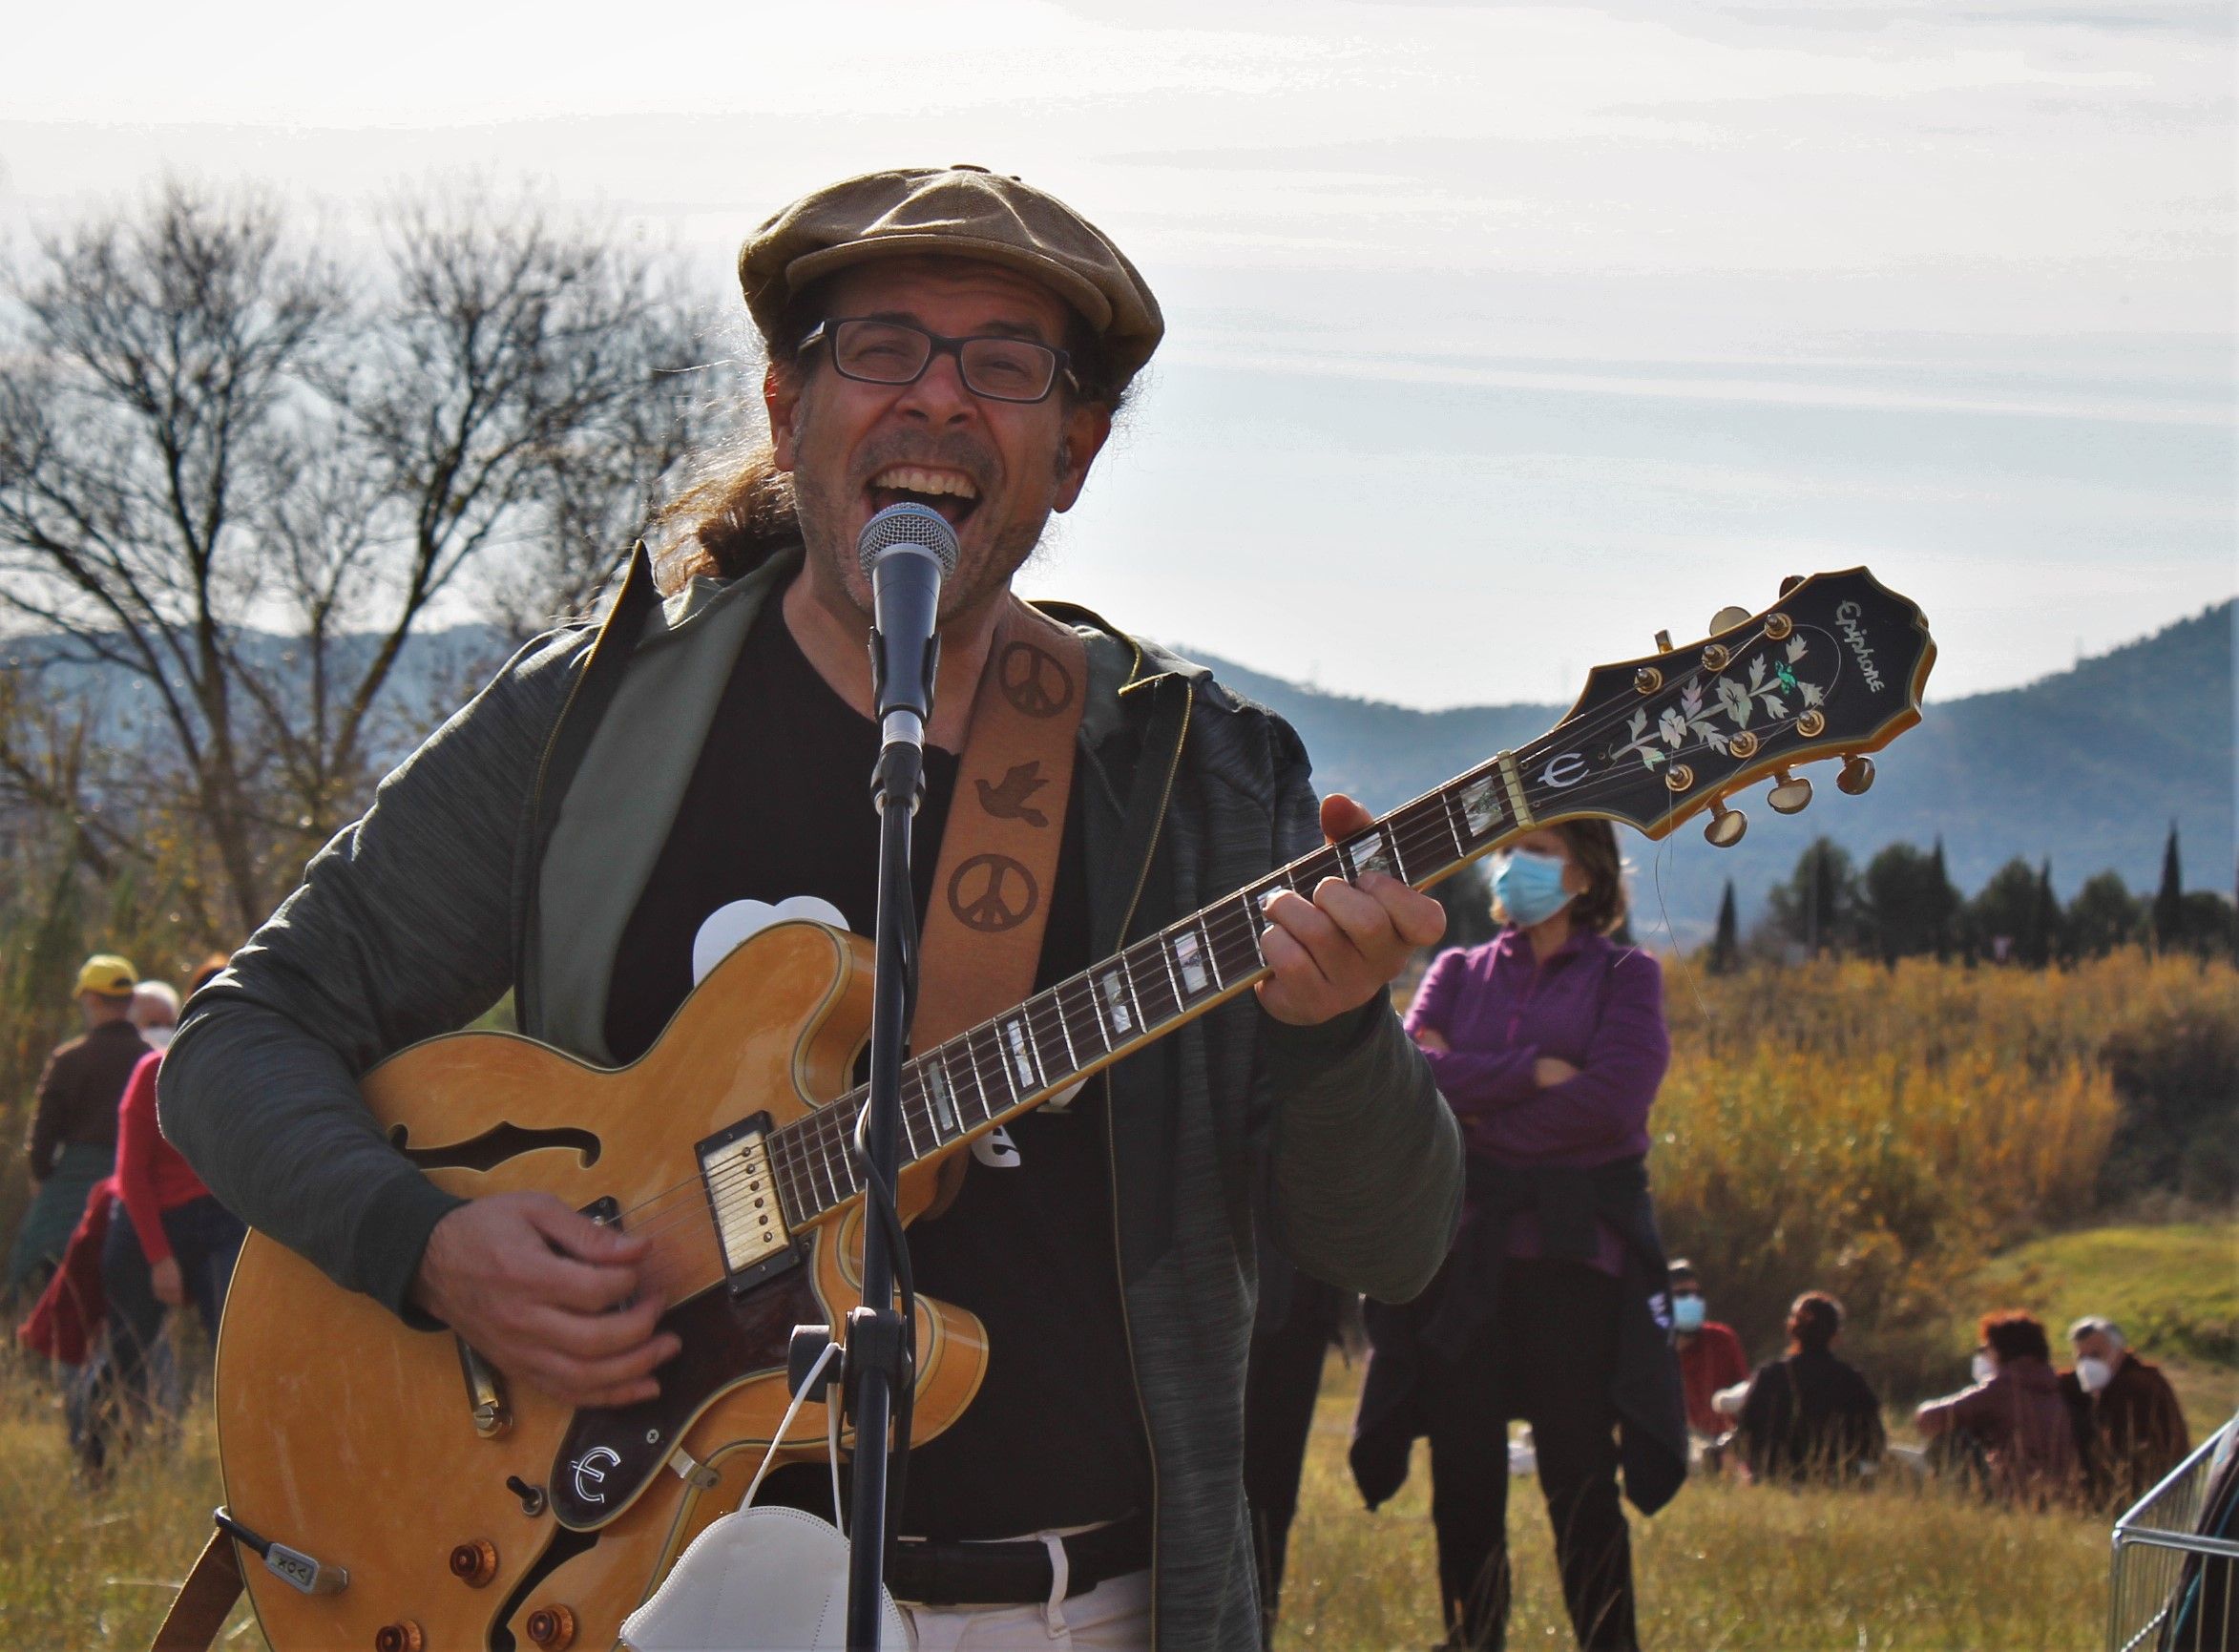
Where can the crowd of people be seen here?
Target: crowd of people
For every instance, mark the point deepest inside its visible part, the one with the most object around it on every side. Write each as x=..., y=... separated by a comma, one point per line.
x=2104, y=1431
x=120, y=1231
x=1558, y=1307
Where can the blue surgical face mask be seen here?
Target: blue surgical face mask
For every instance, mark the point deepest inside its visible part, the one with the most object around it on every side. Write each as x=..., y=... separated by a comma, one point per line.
x=1528, y=887
x=1687, y=1313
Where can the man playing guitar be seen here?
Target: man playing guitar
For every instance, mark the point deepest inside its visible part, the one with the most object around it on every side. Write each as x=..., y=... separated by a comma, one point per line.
x=960, y=338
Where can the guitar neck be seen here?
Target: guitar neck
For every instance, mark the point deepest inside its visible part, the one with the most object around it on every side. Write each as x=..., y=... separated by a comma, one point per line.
x=1032, y=1052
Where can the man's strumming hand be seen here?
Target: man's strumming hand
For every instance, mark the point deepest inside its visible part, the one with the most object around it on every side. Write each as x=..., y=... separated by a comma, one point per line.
x=1336, y=951
x=532, y=1287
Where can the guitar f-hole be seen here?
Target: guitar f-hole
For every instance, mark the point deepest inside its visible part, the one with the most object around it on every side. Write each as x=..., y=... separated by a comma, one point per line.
x=493, y=1147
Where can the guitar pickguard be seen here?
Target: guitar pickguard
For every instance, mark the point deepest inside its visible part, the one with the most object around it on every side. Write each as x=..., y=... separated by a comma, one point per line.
x=606, y=1456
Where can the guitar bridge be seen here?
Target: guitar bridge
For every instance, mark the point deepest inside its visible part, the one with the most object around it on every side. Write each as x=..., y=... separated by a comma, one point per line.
x=743, y=1200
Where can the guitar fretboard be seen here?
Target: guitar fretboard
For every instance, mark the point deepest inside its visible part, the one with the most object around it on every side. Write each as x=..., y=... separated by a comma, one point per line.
x=1008, y=1065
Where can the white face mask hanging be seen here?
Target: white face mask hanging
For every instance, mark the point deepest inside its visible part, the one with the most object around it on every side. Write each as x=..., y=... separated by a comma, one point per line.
x=2093, y=1374
x=761, y=1579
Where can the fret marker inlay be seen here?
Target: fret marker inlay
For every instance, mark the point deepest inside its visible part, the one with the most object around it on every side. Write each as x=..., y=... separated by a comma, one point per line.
x=1189, y=963
x=1116, y=1004
x=1021, y=1056
x=1481, y=805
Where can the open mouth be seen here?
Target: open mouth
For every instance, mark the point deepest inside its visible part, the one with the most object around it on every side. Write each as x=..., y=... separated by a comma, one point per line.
x=951, y=493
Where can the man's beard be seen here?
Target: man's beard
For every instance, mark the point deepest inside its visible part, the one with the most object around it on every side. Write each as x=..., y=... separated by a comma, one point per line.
x=824, y=511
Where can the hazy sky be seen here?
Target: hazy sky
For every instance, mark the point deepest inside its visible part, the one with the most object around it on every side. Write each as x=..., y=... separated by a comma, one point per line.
x=1499, y=337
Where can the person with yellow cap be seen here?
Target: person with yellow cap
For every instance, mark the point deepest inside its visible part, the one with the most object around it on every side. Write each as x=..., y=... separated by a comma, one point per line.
x=73, y=1140
x=613, y=812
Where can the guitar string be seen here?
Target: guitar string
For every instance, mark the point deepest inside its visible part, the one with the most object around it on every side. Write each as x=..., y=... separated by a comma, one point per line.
x=828, y=1126
x=1045, y=1014
x=1410, y=830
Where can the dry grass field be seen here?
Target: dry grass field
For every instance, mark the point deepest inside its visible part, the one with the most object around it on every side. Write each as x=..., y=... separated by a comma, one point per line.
x=1726, y=1566
x=1925, y=1142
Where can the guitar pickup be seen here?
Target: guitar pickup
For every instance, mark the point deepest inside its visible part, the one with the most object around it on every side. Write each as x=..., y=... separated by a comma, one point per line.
x=743, y=1200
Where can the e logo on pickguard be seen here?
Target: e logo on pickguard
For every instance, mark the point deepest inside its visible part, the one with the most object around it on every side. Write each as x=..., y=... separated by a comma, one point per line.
x=589, y=1474
x=1565, y=768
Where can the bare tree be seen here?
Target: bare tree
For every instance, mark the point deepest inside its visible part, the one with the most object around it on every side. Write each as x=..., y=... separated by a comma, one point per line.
x=242, y=481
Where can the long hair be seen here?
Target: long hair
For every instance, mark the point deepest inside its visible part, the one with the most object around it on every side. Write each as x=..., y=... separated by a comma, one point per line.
x=739, y=506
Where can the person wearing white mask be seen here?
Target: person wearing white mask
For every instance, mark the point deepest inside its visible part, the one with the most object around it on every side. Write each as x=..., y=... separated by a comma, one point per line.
x=2129, y=1428
x=2009, y=1423
x=154, y=1012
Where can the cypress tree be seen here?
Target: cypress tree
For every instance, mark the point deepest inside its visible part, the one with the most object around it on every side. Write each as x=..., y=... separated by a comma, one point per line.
x=2169, y=902
x=1725, y=949
x=1947, y=901
x=2047, y=927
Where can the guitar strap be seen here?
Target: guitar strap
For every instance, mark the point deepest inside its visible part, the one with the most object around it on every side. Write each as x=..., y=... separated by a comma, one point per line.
x=204, y=1601
x=981, y=945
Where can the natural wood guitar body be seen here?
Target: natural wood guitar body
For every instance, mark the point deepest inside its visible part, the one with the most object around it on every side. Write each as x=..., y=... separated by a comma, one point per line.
x=352, y=1438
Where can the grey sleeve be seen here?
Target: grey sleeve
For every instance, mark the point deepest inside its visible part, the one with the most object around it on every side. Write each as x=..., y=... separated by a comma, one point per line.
x=402, y=929
x=1367, y=1170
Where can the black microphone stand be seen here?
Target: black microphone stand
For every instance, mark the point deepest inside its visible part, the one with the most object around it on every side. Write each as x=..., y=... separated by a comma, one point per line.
x=878, y=1362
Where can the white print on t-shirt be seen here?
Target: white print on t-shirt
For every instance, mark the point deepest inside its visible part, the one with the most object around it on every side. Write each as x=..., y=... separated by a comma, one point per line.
x=996, y=1150
x=729, y=925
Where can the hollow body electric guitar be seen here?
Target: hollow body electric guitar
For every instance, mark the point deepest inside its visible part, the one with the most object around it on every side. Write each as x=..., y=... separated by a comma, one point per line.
x=392, y=1492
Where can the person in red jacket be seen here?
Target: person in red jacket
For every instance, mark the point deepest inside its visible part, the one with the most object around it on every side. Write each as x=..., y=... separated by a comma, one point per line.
x=170, y=1242
x=1710, y=1354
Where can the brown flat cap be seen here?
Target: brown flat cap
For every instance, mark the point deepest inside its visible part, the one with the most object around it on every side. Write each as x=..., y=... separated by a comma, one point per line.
x=961, y=212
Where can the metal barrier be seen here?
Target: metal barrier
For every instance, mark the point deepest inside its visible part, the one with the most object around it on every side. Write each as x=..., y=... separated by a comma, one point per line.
x=2169, y=1588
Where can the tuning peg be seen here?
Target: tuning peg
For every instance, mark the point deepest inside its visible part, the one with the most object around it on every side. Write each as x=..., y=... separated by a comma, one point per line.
x=1790, y=795
x=1790, y=583
x=1727, y=618
x=1725, y=825
x=1856, y=777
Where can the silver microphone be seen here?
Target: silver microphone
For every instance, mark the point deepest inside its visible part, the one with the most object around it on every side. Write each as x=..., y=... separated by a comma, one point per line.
x=905, y=551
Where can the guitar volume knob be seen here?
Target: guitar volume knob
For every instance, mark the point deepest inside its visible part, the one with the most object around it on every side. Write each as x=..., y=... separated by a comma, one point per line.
x=474, y=1563
x=551, y=1628
x=401, y=1636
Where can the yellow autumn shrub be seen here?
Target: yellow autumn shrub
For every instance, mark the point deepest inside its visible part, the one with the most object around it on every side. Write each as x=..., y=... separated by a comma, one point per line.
x=1878, y=1132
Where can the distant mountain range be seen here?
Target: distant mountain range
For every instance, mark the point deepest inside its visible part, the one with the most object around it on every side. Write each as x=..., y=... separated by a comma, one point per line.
x=2086, y=767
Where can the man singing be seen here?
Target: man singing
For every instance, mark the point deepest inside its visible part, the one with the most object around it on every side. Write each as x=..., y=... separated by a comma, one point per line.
x=962, y=339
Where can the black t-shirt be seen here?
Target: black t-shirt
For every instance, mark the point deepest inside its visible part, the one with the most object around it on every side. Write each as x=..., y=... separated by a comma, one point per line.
x=779, y=806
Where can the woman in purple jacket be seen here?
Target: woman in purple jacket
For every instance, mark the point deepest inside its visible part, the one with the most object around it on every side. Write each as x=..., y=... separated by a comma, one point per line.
x=1549, y=1043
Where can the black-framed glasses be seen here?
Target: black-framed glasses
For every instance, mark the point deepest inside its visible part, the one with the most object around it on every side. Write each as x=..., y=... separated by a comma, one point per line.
x=884, y=352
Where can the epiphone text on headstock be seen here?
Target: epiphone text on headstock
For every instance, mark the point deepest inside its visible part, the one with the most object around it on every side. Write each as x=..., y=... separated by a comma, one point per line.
x=1846, y=616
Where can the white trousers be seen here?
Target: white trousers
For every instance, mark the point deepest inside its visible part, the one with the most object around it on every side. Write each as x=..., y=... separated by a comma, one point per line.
x=1113, y=1616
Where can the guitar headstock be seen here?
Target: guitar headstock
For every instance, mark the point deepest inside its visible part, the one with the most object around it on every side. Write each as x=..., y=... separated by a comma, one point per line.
x=1833, y=669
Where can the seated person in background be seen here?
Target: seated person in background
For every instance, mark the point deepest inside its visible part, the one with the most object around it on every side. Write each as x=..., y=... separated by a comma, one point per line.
x=2012, y=1419
x=1810, y=1416
x=2129, y=1428
x=1710, y=1355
